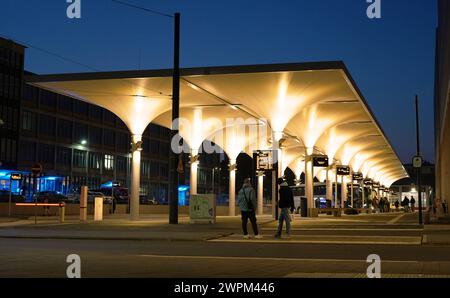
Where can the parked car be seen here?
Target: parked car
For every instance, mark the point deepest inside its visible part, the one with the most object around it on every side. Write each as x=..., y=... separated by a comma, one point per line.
x=4, y=197
x=75, y=197
x=51, y=196
x=145, y=200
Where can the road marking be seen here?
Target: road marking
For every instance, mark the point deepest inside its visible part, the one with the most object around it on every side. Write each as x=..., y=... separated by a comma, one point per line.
x=327, y=239
x=397, y=218
x=265, y=259
x=347, y=229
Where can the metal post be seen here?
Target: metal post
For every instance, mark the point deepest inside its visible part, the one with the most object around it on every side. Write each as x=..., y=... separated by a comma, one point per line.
x=419, y=171
x=10, y=193
x=173, y=200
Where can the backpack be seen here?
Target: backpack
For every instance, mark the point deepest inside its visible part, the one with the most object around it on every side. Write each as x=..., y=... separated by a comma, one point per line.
x=249, y=202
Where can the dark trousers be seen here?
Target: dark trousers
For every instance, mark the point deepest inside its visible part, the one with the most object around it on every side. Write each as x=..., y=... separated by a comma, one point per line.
x=246, y=215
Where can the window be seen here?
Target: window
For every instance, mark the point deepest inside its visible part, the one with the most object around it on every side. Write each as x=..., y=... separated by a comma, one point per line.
x=79, y=158
x=9, y=116
x=123, y=142
x=80, y=107
x=95, y=160
x=80, y=132
x=109, y=162
x=64, y=129
x=46, y=153
x=48, y=99
x=145, y=168
x=95, y=113
x=65, y=104
x=154, y=147
x=121, y=165
x=63, y=156
x=95, y=135
x=108, y=138
x=164, y=170
x=28, y=121
x=47, y=125
x=7, y=150
x=154, y=169
x=109, y=117
x=27, y=151
x=31, y=93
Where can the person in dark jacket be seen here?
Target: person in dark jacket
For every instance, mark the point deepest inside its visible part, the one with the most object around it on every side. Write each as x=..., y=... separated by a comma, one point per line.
x=413, y=203
x=285, y=203
x=248, y=203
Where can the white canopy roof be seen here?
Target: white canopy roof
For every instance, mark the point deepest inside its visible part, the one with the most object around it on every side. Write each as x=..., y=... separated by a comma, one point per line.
x=316, y=106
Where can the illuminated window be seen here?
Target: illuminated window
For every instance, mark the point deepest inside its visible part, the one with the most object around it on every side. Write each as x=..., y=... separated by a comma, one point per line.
x=109, y=162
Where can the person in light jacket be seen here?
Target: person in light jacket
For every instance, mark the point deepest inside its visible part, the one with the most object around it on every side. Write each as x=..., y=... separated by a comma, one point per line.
x=247, y=202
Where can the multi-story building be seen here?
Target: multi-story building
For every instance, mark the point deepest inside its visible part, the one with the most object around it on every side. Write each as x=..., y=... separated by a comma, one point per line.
x=75, y=142
x=442, y=102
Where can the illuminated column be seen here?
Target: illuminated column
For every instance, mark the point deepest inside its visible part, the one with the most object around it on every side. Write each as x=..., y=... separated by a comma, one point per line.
x=232, y=188
x=260, y=192
x=329, y=193
x=136, y=147
x=336, y=190
x=351, y=189
x=194, y=166
x=363, y=195
x=343, y=192
x=309, y=176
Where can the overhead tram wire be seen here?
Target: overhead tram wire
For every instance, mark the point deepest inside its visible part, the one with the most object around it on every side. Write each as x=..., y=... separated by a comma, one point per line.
x=144, y=9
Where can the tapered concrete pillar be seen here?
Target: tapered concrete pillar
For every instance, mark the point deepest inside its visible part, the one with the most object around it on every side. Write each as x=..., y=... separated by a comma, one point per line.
x=135, y=175
x=232, y=189
x=343, y=192
x=363, y=195
x=309, y=179
x=329, y=185
x=336, y=190
x=194, y=171
x=260, y=193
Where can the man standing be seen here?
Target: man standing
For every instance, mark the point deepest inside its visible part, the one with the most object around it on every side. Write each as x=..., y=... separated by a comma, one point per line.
x=285, y=203
x=247, y=203
x=413, y=203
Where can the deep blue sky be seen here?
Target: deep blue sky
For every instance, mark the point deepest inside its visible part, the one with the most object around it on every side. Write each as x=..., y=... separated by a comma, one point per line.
x=391, y=59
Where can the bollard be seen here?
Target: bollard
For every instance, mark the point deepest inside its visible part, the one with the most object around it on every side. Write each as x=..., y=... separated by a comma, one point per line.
x=62, y=212
x=83, y=203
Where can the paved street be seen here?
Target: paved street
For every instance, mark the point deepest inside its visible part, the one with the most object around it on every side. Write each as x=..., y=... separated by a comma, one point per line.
x=322, y=247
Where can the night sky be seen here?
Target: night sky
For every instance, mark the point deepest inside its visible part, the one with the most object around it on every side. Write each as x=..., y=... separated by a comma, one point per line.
x=391, y=58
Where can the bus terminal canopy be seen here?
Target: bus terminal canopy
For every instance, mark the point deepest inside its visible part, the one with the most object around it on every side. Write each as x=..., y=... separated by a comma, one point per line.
x=311, y=108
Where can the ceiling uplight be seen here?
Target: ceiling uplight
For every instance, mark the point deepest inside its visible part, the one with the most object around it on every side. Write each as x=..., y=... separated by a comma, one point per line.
x=83, y=142
x=233, y=107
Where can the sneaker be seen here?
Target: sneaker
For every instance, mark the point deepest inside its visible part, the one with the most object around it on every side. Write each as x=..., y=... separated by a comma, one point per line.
x=258, y=237
x=246, y=236
x=277, y=235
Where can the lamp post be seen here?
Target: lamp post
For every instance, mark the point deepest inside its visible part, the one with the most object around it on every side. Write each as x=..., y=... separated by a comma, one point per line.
x=418, y=161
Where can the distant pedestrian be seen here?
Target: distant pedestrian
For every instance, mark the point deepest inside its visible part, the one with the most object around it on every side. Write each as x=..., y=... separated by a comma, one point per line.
x=46, y=208
x=247, y=202
x=396, y=204
x=412, y=202
x=444, y=207
x=285, y=203
x=406, y=204
x=114, y=204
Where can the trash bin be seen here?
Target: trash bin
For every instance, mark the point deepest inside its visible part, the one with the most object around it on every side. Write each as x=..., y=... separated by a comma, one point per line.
x=329, y=207
x=303, y=207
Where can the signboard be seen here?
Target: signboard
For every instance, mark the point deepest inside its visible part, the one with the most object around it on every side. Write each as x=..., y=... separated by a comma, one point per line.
x=16, y=176
x=202, y=208
x=368, y=182
x=343, y=170
x=417, y=161
x=358, y=176
x=320, y=161
x=36, y=169
x=264, y=160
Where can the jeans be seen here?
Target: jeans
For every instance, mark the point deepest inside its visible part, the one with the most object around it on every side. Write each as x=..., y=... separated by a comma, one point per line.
x=284, y=216
x=246, y=215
